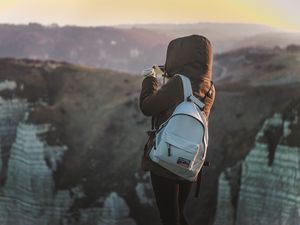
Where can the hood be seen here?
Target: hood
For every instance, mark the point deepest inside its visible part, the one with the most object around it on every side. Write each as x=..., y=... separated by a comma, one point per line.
x=190, y=56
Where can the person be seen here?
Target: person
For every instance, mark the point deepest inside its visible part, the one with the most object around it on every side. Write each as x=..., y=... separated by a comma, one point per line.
x=190, y=56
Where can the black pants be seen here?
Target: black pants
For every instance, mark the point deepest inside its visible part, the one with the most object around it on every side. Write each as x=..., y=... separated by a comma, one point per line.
x=171, y=197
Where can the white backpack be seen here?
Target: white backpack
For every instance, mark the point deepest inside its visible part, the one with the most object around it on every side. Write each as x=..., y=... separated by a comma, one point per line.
x=181, y=142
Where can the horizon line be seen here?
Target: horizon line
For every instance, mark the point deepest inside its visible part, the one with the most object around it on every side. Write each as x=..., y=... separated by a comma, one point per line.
x=119, y=25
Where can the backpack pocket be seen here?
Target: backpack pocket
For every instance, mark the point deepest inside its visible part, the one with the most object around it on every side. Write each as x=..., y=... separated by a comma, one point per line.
x=177, y=151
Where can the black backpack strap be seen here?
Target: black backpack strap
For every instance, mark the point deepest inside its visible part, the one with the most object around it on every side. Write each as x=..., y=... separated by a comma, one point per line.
x=208, y=93
x=152, y=123
x=206, y=163
x=151, y=133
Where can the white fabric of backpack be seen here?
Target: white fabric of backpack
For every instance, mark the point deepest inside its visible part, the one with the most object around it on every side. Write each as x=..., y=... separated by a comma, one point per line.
x=181, y=142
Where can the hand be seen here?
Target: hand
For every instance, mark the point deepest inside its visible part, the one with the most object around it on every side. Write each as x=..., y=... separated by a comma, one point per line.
x=155, y=71
x=149, y=72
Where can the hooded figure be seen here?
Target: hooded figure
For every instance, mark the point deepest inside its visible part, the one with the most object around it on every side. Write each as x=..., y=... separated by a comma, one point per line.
x=190, y=56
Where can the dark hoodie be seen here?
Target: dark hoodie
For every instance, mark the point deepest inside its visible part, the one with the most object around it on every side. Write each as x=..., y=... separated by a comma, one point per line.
x=190, y=56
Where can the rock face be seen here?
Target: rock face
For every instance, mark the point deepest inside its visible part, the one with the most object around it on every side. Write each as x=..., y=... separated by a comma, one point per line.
x=115, y=211
x=32, y=150
x=225, y=210
x=269, y=187
x=28, y=196
x=229, y=184
x=11, y=112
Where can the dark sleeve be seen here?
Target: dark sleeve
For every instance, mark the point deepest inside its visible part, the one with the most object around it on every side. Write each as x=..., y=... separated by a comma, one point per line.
x=154, y=100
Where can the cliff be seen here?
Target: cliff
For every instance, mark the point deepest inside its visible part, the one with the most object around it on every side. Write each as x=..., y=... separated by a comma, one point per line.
x=28, y=196
x=35, y=143
x=268, y=186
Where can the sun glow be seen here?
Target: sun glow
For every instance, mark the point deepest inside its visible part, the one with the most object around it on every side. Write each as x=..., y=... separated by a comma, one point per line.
x=275, y=13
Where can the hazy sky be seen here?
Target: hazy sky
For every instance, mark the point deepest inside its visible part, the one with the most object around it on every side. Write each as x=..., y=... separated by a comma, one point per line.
x=278, y=13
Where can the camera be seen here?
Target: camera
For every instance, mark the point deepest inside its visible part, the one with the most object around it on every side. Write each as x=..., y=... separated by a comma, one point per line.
x=161, y=67
x=159, y=70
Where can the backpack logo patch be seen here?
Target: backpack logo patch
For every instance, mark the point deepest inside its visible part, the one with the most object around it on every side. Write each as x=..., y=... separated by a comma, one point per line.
x=183, y=162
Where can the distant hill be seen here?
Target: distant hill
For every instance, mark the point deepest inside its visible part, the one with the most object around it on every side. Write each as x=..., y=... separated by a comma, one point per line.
x=238, y=30
x=128, y=48
x=271, y=39
x=224, y=36
x=105, y=47
x=259, y=66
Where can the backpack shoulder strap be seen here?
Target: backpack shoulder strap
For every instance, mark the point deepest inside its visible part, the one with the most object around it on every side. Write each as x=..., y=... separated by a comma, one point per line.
x=187, y=87
x=188, y=92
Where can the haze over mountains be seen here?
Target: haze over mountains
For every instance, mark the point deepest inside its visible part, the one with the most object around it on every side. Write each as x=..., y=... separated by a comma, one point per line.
x=128, y=48
x=224, y=36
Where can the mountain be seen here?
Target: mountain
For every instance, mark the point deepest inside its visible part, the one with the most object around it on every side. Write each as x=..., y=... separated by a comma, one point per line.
x=259, y=66
x=227, y=36
x=270, y=39
x=72, y=138
x=128, y=48
x=105, y=47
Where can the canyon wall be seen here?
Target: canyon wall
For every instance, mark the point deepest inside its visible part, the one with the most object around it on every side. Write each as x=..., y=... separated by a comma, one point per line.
x=267, y=188
x=27, y=193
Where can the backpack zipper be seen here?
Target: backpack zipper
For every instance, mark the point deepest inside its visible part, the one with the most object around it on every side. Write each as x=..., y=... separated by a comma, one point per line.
x=169, y=150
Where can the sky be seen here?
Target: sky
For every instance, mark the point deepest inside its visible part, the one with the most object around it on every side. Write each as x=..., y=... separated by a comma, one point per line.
x=277, y=13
